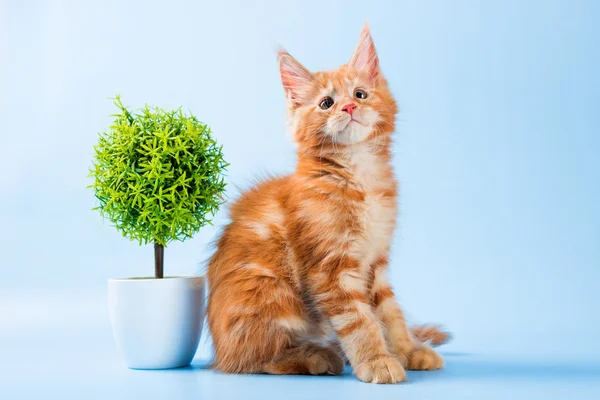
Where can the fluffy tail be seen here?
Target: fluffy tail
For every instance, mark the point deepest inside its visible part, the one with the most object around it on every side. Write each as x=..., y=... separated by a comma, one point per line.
x=431, y=333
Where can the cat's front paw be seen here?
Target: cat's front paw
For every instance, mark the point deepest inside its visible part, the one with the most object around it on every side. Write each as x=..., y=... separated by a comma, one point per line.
x=381, y=370
x=424, y=359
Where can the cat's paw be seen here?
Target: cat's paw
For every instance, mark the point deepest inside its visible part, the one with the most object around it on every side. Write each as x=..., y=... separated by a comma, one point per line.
x=382, y=370
x=325, y=362
x=424, y=359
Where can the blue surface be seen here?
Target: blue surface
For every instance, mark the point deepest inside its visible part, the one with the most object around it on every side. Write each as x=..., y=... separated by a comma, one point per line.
x=496, y=151
x=70, y=354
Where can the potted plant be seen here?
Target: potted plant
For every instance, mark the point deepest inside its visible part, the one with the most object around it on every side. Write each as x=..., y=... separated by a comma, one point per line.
x=158, y=176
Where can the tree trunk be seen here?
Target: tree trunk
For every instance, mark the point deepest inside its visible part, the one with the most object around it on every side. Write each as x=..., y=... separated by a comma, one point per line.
x=159, y=252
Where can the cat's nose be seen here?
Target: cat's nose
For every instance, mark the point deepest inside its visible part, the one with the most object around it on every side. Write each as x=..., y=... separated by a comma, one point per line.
x=349, y=108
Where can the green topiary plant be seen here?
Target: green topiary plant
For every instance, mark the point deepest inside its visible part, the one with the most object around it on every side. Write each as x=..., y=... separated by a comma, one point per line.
x=159, y=176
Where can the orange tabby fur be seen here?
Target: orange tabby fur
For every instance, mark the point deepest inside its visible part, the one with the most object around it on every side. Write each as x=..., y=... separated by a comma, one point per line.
x=298, y=281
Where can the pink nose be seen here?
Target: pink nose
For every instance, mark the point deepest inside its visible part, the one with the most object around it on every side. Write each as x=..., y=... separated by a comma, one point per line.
x=349, y=108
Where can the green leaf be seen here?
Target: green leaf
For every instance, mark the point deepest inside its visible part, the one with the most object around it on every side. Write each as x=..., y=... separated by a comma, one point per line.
x=158, y=175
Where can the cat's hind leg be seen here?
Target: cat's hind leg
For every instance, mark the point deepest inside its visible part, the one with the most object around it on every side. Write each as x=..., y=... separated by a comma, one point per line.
x=306, y=359
x=260, y=324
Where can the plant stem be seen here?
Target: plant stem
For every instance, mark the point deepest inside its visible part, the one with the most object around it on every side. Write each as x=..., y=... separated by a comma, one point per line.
x=159, y=251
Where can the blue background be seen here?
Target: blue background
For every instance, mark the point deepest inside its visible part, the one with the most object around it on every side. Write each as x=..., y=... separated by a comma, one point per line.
x=497, y=151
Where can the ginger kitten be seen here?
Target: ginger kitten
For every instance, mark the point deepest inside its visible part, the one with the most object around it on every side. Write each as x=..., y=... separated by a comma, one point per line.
x=298, y=281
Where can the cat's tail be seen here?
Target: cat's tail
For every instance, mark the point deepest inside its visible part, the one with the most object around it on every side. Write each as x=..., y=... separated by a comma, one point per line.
x=434, y=334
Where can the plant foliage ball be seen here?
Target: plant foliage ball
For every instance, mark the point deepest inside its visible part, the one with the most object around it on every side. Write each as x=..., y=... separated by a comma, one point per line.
x=159, y=175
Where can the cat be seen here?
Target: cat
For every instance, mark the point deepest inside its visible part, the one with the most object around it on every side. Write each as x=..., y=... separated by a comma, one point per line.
x=297, y=283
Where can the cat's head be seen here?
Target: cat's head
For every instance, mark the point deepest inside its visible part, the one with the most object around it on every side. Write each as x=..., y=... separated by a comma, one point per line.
x=338, y=108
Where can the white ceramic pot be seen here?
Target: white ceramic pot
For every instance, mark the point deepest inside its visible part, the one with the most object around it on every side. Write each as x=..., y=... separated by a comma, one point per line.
x=157, y=322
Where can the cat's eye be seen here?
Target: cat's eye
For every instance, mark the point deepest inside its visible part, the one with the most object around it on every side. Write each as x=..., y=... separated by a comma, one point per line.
x=360, y=94
x=326, y=103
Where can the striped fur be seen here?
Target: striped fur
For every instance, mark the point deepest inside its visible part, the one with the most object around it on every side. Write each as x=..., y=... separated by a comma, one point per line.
x=298, y=281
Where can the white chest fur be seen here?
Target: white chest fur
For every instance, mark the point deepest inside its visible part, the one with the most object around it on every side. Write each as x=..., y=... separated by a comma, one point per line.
x=368, y=170
x=373, y=176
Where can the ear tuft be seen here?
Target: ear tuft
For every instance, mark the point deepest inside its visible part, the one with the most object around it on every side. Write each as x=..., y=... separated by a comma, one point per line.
x=365, y=56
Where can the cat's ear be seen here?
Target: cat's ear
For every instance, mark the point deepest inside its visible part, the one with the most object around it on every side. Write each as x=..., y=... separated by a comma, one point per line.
x=365, y=56
x=294, y=77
